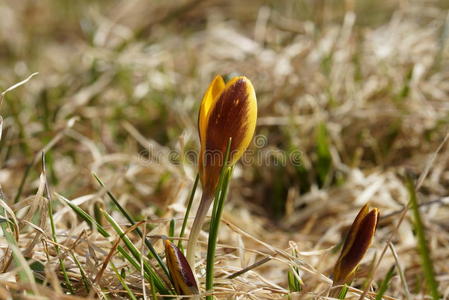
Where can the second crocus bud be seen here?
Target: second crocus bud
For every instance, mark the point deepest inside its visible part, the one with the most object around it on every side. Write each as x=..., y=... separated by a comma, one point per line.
x=180, y=271
x=357, y=242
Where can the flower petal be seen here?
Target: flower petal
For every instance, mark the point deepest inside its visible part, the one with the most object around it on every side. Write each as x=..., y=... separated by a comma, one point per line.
x=213, y=91
x=351, y=236
x=233, y=115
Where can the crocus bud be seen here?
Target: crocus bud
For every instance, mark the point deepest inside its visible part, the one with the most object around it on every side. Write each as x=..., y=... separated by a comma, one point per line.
x=228, y=111
x=357, y=242
x=180, y=270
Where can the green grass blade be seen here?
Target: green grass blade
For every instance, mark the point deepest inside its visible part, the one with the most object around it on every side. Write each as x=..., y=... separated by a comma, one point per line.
x=426, y=260
x=385, y=284
x=293, y=283
x=324, y=158
x=189, y=206
x=117, y=204
x=171, y=229
x=83, y=215
x=148, y=244
x=58, y=250
x=24, y=271
x=53, y=229
x=220, y=197
x=159, y=283
x=343, y=292
x=131, y=260
x=153, y=288
x=136, y=266
x=213, y=235
x=123, y=282
x=84, y=278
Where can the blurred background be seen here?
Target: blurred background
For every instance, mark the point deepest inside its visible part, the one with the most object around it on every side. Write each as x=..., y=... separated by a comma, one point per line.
x=351, y=94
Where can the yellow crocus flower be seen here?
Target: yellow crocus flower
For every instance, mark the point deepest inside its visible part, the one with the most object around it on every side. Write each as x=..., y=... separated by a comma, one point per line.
x=228, y=112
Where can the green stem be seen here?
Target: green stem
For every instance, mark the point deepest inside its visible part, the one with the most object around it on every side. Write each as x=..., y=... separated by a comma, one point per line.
x=189, y=206
x=220, y=196
x=213, y=233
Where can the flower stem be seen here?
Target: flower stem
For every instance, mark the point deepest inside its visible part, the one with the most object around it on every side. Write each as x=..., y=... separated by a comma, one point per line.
x=213, y=233
x=206, y=200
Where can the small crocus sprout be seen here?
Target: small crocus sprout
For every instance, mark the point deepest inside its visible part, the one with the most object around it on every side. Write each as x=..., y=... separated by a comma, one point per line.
x=180, y=271
x=357, y=242
x=228, y=112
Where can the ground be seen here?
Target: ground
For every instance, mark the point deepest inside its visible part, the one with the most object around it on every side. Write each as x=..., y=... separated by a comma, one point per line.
x=352, y=104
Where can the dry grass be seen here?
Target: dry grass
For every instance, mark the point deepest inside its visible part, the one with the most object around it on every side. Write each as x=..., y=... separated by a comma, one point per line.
x=359, y=89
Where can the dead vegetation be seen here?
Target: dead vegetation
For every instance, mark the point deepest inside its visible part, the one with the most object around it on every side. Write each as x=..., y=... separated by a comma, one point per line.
x=352, y=98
